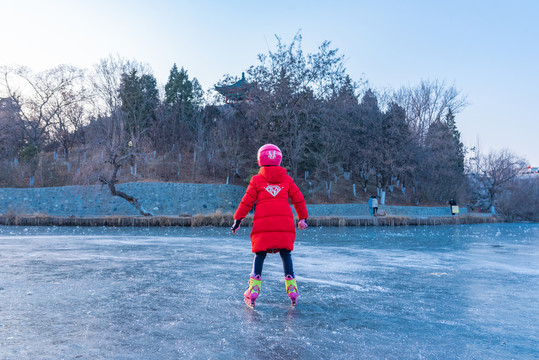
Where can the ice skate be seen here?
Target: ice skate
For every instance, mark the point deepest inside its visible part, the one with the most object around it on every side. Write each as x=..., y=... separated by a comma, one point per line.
x=291, y=288
x=251, y=294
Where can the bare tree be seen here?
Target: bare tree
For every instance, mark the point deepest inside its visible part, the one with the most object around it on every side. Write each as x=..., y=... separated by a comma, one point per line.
x=114, y=152
x=11, y=136
x=107, y=79
x=41, y=98
x=69, y=128
x=113, y=147
x=117, y=162
x=229, y=142
x=496, y=170
x=69, y=123
x=289, y=87
x=333, y=148
x=11, y=141
x=520, y=199
x=427, y=102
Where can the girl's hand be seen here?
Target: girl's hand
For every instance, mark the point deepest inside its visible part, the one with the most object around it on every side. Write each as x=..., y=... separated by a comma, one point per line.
x=302, y=224
x=236, y=225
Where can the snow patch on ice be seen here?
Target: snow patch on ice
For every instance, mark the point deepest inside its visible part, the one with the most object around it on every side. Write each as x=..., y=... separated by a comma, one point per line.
x=354, y=287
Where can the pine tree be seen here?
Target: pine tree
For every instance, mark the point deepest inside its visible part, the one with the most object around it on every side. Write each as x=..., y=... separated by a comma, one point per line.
x=182, y=98
x=397, y=145
x=441, y=173
x=369, y=130
x=140, y=99
x=451, y=124
x=178, y=89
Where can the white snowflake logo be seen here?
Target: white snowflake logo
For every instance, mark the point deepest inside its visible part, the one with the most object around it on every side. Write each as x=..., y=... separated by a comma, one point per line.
x=273, y=189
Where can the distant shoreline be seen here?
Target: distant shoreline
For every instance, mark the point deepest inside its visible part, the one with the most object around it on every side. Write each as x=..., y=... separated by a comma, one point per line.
x=225, y=220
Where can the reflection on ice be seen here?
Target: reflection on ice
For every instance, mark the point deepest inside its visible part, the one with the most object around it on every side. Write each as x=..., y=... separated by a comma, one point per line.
x=412, y=292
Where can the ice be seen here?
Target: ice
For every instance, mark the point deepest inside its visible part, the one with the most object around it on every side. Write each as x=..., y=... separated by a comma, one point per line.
x=443, y=292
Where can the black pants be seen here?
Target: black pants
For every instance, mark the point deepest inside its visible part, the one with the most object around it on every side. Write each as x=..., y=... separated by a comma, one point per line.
x=286, y=257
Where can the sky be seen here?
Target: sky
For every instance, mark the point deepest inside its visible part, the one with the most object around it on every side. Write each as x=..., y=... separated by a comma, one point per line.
x=489, y=50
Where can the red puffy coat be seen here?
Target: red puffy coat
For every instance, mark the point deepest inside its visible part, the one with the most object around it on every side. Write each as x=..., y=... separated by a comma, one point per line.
x=273, y=223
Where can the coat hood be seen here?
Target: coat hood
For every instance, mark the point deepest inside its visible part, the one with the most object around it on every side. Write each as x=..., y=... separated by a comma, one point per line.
x=272, y=174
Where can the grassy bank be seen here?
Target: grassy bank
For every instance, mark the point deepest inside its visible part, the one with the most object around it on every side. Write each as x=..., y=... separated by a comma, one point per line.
x=224, y=220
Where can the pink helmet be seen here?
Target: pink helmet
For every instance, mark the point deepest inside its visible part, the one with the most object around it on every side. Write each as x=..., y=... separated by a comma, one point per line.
x=268, y=155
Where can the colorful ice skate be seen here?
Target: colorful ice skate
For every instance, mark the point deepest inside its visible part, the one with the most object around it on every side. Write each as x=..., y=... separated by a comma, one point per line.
x=253, y=291
x=291, y=288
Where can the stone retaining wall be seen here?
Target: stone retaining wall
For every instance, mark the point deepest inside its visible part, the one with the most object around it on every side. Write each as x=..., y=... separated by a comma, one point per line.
x=95, y=200
x=166, y=199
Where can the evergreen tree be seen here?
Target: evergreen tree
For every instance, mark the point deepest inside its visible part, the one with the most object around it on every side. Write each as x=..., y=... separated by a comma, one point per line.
x=183, y=100
x=440, y=166
x=368, y=130
x=140, y=99
x=451, y=124
x=179, y=89
x=396, y=145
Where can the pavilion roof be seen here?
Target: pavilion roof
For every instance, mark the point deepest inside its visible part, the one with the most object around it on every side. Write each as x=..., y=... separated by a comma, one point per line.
x=237, y=91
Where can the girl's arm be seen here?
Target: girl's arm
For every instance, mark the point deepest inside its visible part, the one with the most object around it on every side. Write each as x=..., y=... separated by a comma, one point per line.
x=247, y=202
x=298, y=201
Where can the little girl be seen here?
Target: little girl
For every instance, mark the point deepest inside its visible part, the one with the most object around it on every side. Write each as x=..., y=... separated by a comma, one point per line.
x=273, y=223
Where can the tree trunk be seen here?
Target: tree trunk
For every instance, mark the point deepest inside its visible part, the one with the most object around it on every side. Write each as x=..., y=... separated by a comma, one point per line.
x=112, y=187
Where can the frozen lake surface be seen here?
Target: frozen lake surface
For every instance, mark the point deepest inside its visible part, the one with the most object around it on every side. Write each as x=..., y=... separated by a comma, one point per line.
x=441, y=292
